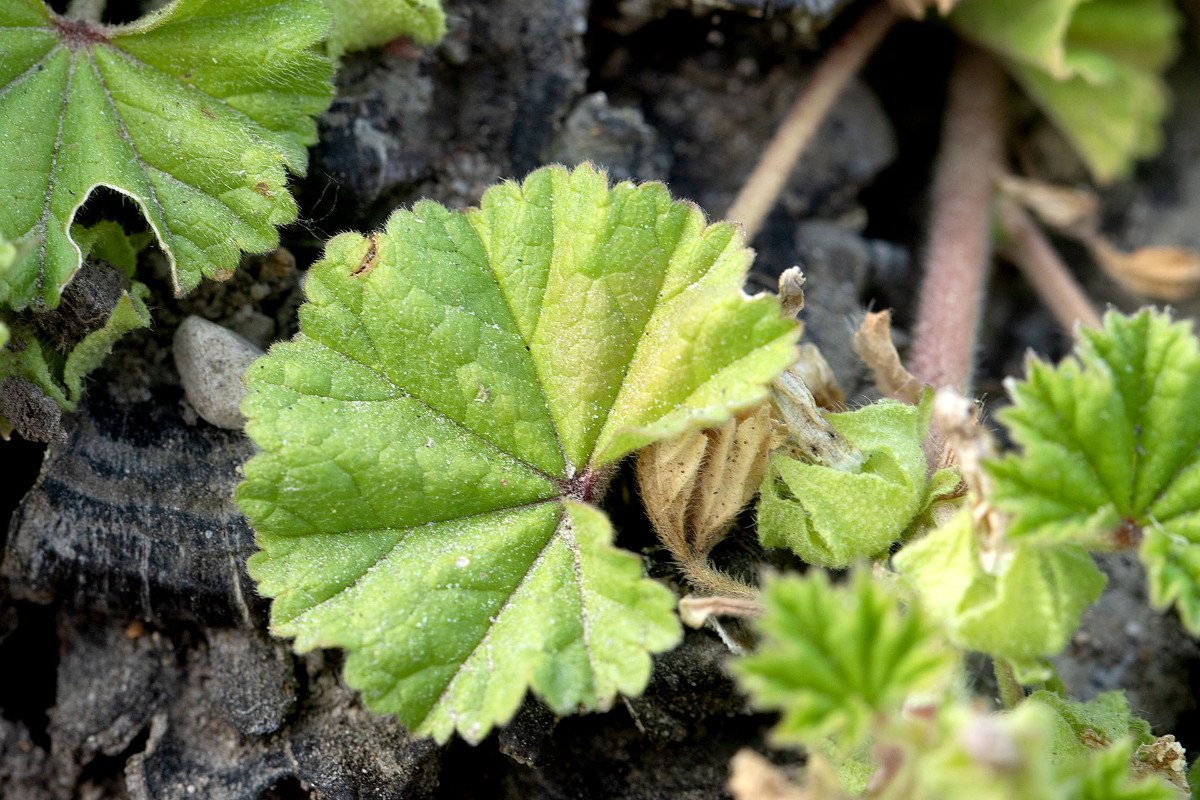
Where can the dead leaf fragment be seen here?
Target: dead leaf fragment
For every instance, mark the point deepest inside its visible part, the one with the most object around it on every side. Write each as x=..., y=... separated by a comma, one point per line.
x=873, y=344
x=1165, y=273
x=1067, y=210
x=752, y=777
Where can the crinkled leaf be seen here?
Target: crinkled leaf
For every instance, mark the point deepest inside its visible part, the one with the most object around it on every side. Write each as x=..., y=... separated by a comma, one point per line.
x=1094, y=67
x=831, y=517
x=197, y=112
x=461, y=387
x=1081, y=727
x=833, y=658
x=359, y=24
x=1111, y=450
x=1027, y=611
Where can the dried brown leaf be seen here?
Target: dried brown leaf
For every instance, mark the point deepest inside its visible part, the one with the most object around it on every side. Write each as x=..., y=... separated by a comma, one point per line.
x=1165, y=273
x=806, y=433
x=958, y=419
x=695, y=611
x=873, y=343
x=791, y=292
x=1074, y=212
x=752, y=777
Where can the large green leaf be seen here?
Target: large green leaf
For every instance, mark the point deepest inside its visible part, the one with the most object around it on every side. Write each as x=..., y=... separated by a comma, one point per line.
x=1111, y=450
x=197, y=112
x=462, y=386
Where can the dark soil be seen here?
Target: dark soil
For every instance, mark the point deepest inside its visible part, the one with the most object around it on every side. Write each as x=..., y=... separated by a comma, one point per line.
x=134, y=661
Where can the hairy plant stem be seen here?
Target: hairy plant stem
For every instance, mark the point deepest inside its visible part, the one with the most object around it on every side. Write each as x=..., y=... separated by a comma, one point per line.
x=1011, y=691
x=959, y=244
x=1029, y=250
x=839, y=64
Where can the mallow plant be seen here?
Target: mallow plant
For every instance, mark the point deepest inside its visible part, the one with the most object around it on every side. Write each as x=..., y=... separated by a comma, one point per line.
x=437, y=439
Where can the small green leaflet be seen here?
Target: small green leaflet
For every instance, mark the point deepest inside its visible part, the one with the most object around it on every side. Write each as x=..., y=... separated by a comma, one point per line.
x=831, y=517
x=435, y=437
x=1025, y=612
x=836, y=660
x=1111, y=451
x=359, y=24
x=197, y=112
x=1094, y=66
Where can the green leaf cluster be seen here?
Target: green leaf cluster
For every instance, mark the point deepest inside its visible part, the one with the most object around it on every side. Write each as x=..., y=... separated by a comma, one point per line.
x=1094, y=66
x=54, y=367
x=832, y=517
x=835, y=659
x=435, y=438
x=1110, y=451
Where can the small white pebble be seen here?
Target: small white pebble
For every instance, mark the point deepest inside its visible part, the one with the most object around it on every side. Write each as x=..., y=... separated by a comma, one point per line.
x=211, y=360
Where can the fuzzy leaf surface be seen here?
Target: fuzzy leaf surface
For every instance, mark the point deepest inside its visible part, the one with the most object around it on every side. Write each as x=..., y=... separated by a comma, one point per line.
x=1110, y=455
x=359, y=24
x=831, y=517
x=434, y=437
x=1094, y=66
x=197, y=112
x=835, y=658
x=1027, y=611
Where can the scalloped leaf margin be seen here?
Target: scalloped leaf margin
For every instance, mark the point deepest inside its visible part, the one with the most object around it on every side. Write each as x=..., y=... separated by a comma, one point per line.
x=197, y=112
x=435, y=438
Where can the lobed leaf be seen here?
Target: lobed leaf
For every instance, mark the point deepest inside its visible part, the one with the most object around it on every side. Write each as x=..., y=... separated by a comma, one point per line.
x=461, y=388
x=834, y=658
x=1110, y=455
x=1027, y=611
x=831, y=517
x=196, y=112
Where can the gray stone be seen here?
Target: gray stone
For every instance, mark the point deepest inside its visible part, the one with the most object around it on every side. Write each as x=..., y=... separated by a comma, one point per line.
x=211, y=360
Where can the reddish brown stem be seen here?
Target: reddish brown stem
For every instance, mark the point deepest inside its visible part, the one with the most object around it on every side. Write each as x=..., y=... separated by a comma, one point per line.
x=959, y=243
x=1028, y=249
x=839, y=64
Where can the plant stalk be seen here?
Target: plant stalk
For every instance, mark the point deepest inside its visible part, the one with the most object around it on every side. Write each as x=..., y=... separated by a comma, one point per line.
x=1028, y=249
x=1011, y=691
x=839, y=64
x=959, y=246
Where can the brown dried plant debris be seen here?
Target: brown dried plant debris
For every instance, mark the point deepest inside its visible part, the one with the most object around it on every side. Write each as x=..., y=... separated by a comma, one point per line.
x=1162, y=272
x=695, y=485
x=873, y=344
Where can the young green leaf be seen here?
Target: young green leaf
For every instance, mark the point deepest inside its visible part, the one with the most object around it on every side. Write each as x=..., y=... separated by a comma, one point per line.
x=359, y=24
x=60, y=375
x=461, y=388
x=836, y=658
x=1028, y=610
x=829, y=516
x=1094, y=66
x=1081, y=727
x=1111, y=451
x=197, y=112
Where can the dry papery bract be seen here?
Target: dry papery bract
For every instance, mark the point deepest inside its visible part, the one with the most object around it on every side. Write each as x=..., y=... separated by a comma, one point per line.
x=1160, y=272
